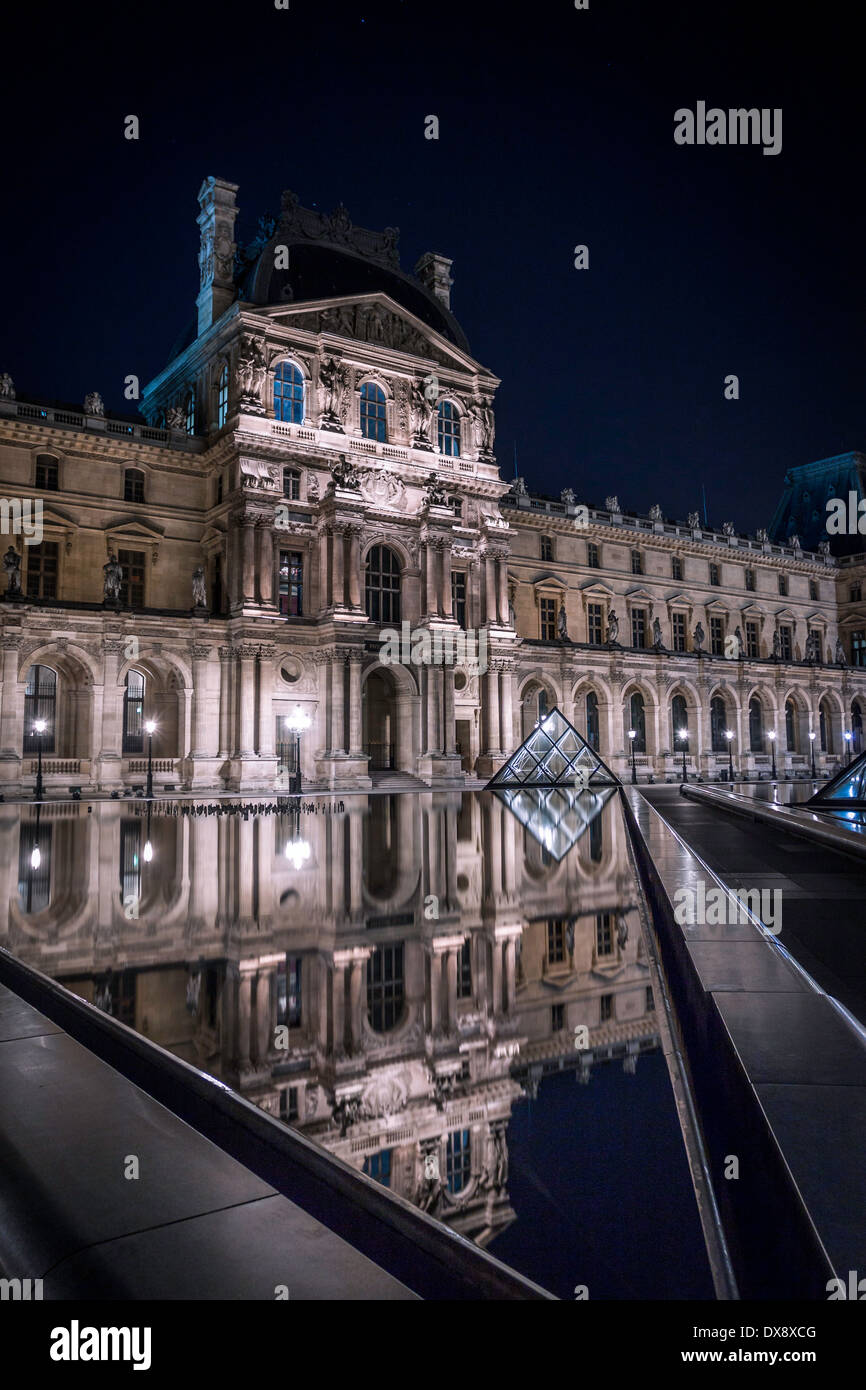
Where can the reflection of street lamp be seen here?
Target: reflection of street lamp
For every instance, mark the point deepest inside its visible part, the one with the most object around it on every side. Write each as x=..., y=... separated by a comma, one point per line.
x=298, y=721
x=147, y=852
x=150, y=726
x=812, y=745
x=684, y=735
x=729, y=736
x=771, y=735
x=297, y=851
x=39, y=727
x=632, y=733
x=848, y=743
x=35, y=860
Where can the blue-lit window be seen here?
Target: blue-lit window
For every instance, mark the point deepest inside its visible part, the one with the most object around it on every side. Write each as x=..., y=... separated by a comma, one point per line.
x=858, y=648
x=373, y=412
x=449, y=429
x=190, y=413
x=378, y=1166
x=458, y=1160
x=222, y=397
x=289, y=393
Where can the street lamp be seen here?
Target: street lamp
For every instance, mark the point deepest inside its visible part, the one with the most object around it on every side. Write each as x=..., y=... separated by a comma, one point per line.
x=848, y=743
x=812, y=746
x=729, y=736
x=150, y=726
x=632, y=733
x=684, y=736
x=39, y=727
x=772, y=737
x=298, y=721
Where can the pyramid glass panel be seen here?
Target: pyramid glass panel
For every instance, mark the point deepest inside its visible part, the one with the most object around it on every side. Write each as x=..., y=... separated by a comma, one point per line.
x=847, y=788
x=554, y=755
x=556, y=818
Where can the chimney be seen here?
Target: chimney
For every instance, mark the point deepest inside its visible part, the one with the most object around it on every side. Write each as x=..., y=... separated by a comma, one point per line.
x=434, y=272
x=216, y=257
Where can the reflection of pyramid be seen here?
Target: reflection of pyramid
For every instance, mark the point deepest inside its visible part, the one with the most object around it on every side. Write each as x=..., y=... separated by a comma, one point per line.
x=554, y=755
x=846, y=789
x=555, y=816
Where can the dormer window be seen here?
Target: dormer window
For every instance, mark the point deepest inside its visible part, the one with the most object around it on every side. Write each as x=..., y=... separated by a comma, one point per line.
x=449, y=429
x=373, y=418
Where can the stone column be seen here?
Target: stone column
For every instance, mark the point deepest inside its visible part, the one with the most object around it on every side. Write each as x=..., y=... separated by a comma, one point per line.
x=11, y=731
x=507, y=722
x=435, y=993
x=244, y=1015
x=356, y=994
x=356, y=660
x=355, y=599
x=489, y=587
x=324, y=587
x=502, y=565
x=339, y=1004
x=491, y=690
x=509, y=962
x=266, y=704
x=338, y=667
x=200, y=738
x=434, y=709
x=264, y=1027
x=449, y=742
x=450, y=982
x=339, y=569
x=248, y=560
x=432, y=601
x=446, y=581
x=266, y=561
x=247, y=692
x=225, y=654
x=112, y=701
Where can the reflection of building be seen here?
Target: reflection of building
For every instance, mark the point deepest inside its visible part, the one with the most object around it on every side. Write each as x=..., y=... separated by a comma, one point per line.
x=321, y=445
x=388, y=1011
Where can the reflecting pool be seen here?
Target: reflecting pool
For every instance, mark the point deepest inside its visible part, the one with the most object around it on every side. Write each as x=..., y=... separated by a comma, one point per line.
x=451, y=995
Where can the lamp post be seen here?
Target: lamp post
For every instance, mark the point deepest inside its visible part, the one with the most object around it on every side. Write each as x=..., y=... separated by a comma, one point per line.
x=632, y=733
x=298, y=721
x=150, y=726
x=772, y=737
x=848, y=744
x=812, y=747
x=39, y=727
x=730, y=736
x=683, y=735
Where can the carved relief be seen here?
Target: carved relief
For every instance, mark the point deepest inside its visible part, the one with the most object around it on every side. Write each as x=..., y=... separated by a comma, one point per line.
x=383, y=489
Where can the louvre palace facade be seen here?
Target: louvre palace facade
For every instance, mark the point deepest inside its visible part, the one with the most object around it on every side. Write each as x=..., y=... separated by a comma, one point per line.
x=315, y=466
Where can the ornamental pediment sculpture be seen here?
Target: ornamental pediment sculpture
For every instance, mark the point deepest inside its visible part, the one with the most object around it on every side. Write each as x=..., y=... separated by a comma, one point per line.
x=250, y=374
x=384, y=1096
x=333, y=393
x=383, y=489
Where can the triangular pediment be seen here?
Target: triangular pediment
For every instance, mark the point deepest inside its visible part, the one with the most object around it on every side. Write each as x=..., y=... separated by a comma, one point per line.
x=680, y=597
x=595, y=589
x=135, y=530
x=373, y=318
x=752, y=610
x=639, y=594
x=549, y=581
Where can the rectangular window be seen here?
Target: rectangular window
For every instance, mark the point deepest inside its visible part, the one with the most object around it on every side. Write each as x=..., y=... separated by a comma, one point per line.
x=604, y=933
x=594, y=624
x=132, y=562
x=786, y=645
x=858, y=648
x=750, y=580
x=133, y=485
x=291, y=583
x=783, y=584
x=291, y=484
x=855, y=593
x=378, y=1166
x=555, y=942
x=606, y=1008
x=676, y=567
x=546, y=548
x=717, y=636
x=715, y=575
x=464, y=971
x=458, y=1160
x=592, y=559
x=47, y=473
x=289, y=991
x=636, y=562
x=458, y=596
x=650, y=1000
x=638, y=627
x=289, y=1104
x=548, y=619
x=752, y=639
x=42, y=564
x=557, y=1018
x=678, y=630
x=813, y=590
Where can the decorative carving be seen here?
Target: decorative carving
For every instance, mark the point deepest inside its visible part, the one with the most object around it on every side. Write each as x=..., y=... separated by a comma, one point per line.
x=421, y=413
x=175, y=419
x=345, y=475
x=333, y=393
x=312, y=487
x=297, y=222
x=699, y=637
x=612, y=628
x=695, y=520
x=568, y=496
x=93, y=404
x=7, y=387
x=199, y=590
x=384, y=1096
x=612, y=504
x=728, y=528
x=250, y=374
x=383, y=489
x=435, y=495
x=12, y=566
x=655, y=512
x=113, y=572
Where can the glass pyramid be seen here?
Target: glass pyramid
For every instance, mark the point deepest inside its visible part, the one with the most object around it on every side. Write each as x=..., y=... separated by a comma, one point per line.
x=847, y=788
x=555, y=816
x=554, y=755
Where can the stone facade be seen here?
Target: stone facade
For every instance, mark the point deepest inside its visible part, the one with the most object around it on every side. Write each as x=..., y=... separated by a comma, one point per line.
x=303, y=450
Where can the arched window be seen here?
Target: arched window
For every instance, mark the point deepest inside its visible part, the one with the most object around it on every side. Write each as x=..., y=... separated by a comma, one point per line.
x=40, y=702
x=222, y=396
x=385, y=989
x=543, y=706
x=133, y=713
x=790, y=726
x=592, y=727
x=133, y=485
x=373, y=412
x=289, y=393
x=190, y=412
x=383, y=585
x=718, y=724
x=679, y=722
x=756, y=726
x=637, y=721
x=449, y=429
x=825, y=718
x=857, y=726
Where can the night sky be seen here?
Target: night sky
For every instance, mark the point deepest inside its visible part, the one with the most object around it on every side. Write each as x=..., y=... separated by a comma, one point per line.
x=556, y=128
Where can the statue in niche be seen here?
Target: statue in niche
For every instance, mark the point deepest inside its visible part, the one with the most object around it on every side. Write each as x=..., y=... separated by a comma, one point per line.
x=435, y=495
x=699, y=637
x=813, y=648
x=312, y=487
x=93, y=404
x=512, y=616
x=839, y=655
x=251, y=369
x=345, y=474
x=487, y=423
x=199, y=590
x=7, y=387
x=421, y=412
x=113, y=572
x=777, y=647
x=622, y=933
x=657, y=635
x=739, y=638
x=562, y=623
x=612, y=629
x=695, y=520
x=332, y=383
x=12, y=566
